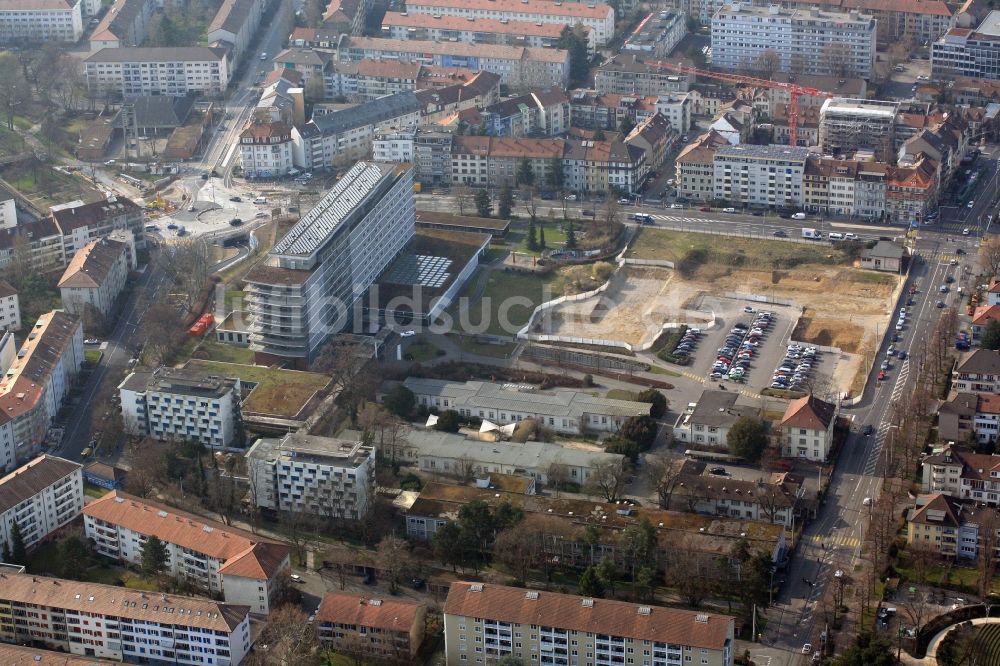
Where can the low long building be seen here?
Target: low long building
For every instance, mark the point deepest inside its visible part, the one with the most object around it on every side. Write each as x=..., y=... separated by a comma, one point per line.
x=393, y=628
x=110, y=622
x=41, y=497
x=562, y=410
x=243, y=568
x=476, y=30
x=542, y=627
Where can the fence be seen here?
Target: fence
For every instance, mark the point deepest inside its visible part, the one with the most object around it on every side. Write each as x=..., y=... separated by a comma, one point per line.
x=579, y=358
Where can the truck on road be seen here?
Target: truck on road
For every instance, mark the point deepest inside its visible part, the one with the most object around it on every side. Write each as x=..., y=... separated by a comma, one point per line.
x=808, y=232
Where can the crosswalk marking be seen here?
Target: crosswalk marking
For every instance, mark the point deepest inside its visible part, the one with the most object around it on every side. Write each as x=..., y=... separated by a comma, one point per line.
x=838, y=540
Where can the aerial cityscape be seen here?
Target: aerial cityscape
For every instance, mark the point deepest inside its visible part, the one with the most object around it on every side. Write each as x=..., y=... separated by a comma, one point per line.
x=499, y=332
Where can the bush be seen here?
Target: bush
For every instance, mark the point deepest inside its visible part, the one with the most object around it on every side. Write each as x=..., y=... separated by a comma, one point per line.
x=658, y=402
x=588, y=380
x=602, y=271
x=448, y=421
x=411, y=482
x=639, y=429
x=625, y=447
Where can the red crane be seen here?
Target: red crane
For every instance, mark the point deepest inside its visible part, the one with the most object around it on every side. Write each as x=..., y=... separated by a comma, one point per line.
x=794, y=90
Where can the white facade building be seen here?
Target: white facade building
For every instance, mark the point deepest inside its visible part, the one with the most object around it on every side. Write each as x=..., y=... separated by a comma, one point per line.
x=10, y=308
x=393, y=147
x=266, y=150
x=321, y=476
x=677, y=109
x=221, y=560
x=759, y=175
x=95, y=277
x=176, y=71
x=808, y=41
x=8, y=214
x=807, y=428
x=171, y=403
x=41, y=20
x=40, y=498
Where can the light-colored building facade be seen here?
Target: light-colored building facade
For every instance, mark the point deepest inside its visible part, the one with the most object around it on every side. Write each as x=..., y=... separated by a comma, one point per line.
x=126, y=23
x=175, y=71
x=849, y=125
x=977, y=371
x=807, y=428
x=221, y=560
x=472, y=30
x=111, y=622
x=967, y=52
x=695, y=167
x=95, y=277
x=266, y=149
x=631, y=74
x=10, y=308
x=306, y=288
x=707, y=422
x=171, y=403
x=487, y=621
x=322, y=476
x=41, y=20
x=234, y=25
x=40, y=498
x=562, y=410
x=759, y=175
x=78, y=223
x=812, y=41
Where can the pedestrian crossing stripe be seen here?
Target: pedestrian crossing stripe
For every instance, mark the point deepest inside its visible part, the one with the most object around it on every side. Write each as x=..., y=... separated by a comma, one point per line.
x=842, y=540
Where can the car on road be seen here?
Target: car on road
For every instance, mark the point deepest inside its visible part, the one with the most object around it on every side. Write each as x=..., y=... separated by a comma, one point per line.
x=953, y=262
x=799, y=216
x=91, y=341
x=204, y=176
x=718, y=471
x=965, y=231
x=943, y=289
x=748, y=309
x=586, y=212
x=884, y=366
x=171, y=226
x=869, y=429
x=296, y=578
x=705, y=209
x=881, y=375
x=866, y=501
x=235, y=222
x=780, y=233
x=236, y=199
x=940, y=304
x=970, y=204
x=959, y=251
x=261, y=214
x=86, y=452
x=624, y=202
x=192, y=209
x=728, y=210
x=407, y=334
x=807, y=648
x=570, y=197
x=949, y=279
x=676, y=206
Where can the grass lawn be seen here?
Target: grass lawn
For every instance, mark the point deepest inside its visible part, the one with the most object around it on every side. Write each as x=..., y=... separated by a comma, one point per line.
x=657, y=370
x=44, y=186
x=420, y=352
x=92, y=356
x=513, y=295
x=213, y=350
x=469, y=345
x=46, y=560
x=750, y=252
x=555, y=236
x=235, y=299
x=90, y=490
x=278, y=392
x=621, y=394
x=11, y=143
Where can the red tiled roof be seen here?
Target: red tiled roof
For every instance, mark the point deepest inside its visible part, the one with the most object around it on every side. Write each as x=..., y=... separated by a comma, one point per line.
x=984, y=313
x=809, y=412
x=395, y=615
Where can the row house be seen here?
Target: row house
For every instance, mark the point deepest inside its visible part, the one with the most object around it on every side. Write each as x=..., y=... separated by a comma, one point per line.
x=240, y=567
x=695, y=167
x=593, y=110
x=912, y=190
x=538, y=113
x=443, y=103
x=637, y=74
x=346, y=16
x=477, y=30
x=656, y=138
x=962, y=474
x=482, y=161
x=775, y=500
x=604, y=166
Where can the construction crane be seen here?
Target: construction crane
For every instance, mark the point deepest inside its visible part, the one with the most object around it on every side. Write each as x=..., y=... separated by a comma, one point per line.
x=794, y=90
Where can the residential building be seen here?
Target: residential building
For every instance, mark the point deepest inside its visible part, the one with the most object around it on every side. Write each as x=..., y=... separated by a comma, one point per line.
x=104, y=475
x=707, y=422
x=634, y=74
x=935, y=524
x=241, y=567
x=812, y=41
x=912, y=191
x=94, y=278
x=234, y=25
x=78, y=223
x=125, y=24
x=432, y=147
x=476, y=30
x=850, y=125
x=266, y=149
x=17, y=655
x=968, y=52
x=604, y=628
x=759, y=175
x=443, y=103
x=33, y=388
x=367, y=79
x=604, y=166
x=10, y=308
x=884, y=256
x=807, y=428
x=447, y=454
x=993, y=293
x=393, y=146
x=8, y=214
x=481, y=161
x=346, y=16
x=774, y=102
x=977, y=371
x=156, y=115
x=535, y=114
x=311, y=63
x=982, y=316
x=517, y=66
x=962, y=473
x=676, y=109
x=167, y=70
x=392, y=628
x=40, y=498
x=562, y=410
x=305, y=474
x=599, y=18
x=592, y=110
x=656, y=138
x=115, y=623
x=776, y=500
x=345, y=135
x=695, y=167
x=658, y=34
x=956, y=417
x=172, y=403
x=305, y=289
x=41, y=21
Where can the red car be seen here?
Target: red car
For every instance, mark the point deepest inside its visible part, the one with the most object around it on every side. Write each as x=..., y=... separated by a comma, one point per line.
x=881, y=375
x=706, y=209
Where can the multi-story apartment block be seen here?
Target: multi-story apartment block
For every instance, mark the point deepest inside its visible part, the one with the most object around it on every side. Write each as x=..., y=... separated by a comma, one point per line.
x=657, y=34
x=221, y=560
x=592, y=110
x=393, y=146
x=41, y=20
x=34, y=386
x=936, y=524
x=115, y=623
x=517, y=66
x=695, y=167
x=125, y=24
x=707, y=422
x=393, y=629
x=807, y=428
x=487, y=621
x=345, y=136
x=472, y=30
x=634, y=74
x=79, y=223
x=322, y=476
x=812, y=41
x=655, y=137
x=234, y=25
x=167, y=70
x=432, y=147
x=94, y=277
x=676, y=109
x=17, y=654
x=10, y=308
x=535, y=114
x=962, y=474
x=266, y=149
x=171, y=403
x=306, y=288
x=599, y=18
x=563, y=410
x=912, y=191
x=480, y=161
x=40, y=498
x=849, y=125
x=760, y=175
x=977, y=371
x=967, y=52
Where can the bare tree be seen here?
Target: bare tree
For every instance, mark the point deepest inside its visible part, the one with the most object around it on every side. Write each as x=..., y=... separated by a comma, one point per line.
x=768, y=62
x=393, y=558
x=922, y=561
x=557, y=476
x=290, y=639
x=837, y=58
x=385, y=430
x=687, y=571
x=148, y=468
x=465, y=469
x=187, y=266
x=663, y=473
x=15, y=91
x=519, y=548
x=298, y=525
x=349, y=366
x=607, y=479
x=163, y=332
x=987, y=563
x=916, y=607
x=463, y=198
x=989, y=256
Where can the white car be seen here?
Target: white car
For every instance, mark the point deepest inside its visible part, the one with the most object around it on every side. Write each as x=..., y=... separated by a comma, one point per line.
x=676, y=206
x=570, y=197
x=407, y=334
x=965, y=231
x=807, y=648
x=728, y=210
x=866, y=501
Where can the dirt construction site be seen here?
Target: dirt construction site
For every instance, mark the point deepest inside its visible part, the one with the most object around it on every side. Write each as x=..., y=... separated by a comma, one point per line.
x=842, y=306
